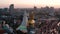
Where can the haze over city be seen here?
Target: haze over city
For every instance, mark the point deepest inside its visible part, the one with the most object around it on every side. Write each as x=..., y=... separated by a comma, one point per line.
x=30, y=3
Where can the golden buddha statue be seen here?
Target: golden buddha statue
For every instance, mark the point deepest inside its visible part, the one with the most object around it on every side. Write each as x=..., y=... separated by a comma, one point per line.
x=31, y=19
x=31, y=22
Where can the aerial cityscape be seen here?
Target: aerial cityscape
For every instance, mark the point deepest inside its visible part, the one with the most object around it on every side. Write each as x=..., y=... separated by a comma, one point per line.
x=30, y=17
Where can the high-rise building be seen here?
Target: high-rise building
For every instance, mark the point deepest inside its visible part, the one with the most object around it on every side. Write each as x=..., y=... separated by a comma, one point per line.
x=11, y=8
x=51, y=11
x=5, y=9
x=35, y=8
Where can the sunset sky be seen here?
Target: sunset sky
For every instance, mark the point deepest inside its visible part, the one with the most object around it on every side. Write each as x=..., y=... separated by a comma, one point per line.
x=30, y=3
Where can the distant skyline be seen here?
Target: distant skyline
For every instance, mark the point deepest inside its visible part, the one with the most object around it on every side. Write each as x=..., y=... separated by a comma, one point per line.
x=30, y=3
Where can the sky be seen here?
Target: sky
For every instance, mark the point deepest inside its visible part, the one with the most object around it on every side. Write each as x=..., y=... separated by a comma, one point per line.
x=30, y=3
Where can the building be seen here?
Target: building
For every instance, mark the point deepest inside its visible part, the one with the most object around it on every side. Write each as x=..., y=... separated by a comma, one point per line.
x=11, y=8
